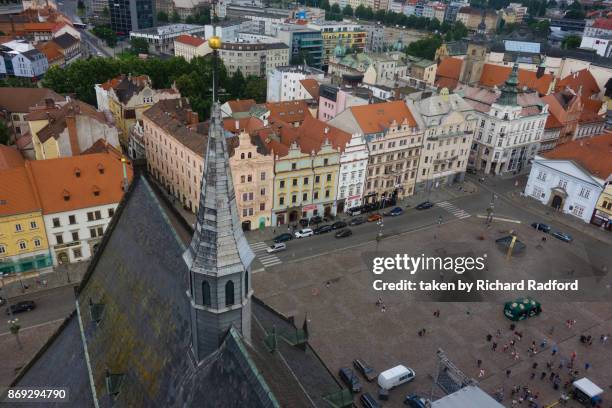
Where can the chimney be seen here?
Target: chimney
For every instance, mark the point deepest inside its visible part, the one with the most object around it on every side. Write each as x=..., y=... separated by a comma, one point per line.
x=237, y=125
x=72, y=134
x=194, y=118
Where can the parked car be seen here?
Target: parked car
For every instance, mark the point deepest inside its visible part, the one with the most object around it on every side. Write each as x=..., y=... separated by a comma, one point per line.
x=350, y=379
x=2, y=301
x=541, y=227
x=414, y=401
x=315, y=220
x=276, y=248
x=355, y=210
x=365, y=370
x=470, y=170
x=368, y=401
x=395, y=212
x=338, y=225
x=303, y=233
x=343, y=233
x=374, y=217
x=323, y=229
x=283, y=237
x=562, y=236
x=395, y=376
x=23, y=306
x=424, y=205
x=357, y=221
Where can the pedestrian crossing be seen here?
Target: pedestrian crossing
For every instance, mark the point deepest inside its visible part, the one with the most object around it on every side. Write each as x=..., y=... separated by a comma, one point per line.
x=456, y=211
x=266, y=259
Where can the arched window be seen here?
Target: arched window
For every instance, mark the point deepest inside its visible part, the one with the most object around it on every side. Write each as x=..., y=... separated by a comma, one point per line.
x=242, y=156
x=249, y=155
x=205, y=293
x=246, y=283
x=229, y=293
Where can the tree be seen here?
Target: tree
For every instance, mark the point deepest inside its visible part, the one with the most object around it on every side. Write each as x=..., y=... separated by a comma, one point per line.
x=575, y=10
x=174, y=17
x=380, y=15
x=105, y=12
x=236, y=85
x=325, y=5
x=425, y=48
x=162, y=17
x=335, y=8
x=348, y=10
x=256, y=88
x=139, y=45
x=106, y=34
x=5, y=134
x=571, y=42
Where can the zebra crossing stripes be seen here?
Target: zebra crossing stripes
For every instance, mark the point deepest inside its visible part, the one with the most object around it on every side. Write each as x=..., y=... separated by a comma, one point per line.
x=457, y=212
x=264, y=257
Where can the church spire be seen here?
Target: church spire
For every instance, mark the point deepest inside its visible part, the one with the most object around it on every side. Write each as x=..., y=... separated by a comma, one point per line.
x=510, y=90
x=219, y=257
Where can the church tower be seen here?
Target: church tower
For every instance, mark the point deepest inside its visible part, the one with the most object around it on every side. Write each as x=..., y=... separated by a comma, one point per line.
x=474, y=61
x=219, y=257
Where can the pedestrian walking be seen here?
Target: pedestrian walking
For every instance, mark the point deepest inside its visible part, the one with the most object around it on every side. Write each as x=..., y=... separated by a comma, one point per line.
x=534, y=365
x=554, y=350
x=532, y=375
x=494, y=347
x=543, y=375
x=587, y=366
x=481, y=373
x=552, y=376
x=508, y=372
x=489, y=337
x=479, y=363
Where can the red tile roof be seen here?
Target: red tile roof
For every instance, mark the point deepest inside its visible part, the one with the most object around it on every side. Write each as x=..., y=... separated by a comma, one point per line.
x=190, y=40
x=378, y=117
x=592, y=153
x=448, y=72
x=241, y=105
x=289, y=111
x=312, y=86
x=603, y=23
x=10, y=157
x=582, y=78
x=17, y=196
x=495, y=75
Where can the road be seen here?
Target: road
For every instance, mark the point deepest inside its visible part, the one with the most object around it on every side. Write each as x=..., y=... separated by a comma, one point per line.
x=51, y=305
x=91, y=44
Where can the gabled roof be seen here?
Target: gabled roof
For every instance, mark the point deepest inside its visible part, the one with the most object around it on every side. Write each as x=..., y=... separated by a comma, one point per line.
x=20, y=100
x=17, y=193
x=448, y=72
x=51, y=51
x=57, y=118
x=10, y=157
x=495, y=75
x=376, y=118
x=288, y=111
x=583, y=80
x=593, y=154
x=190, y=40
x=241, y=105
x=65, y=41
x=311, y=86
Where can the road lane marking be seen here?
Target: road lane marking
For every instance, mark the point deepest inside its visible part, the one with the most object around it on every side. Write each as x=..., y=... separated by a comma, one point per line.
x=34, y=326
x=501, y=219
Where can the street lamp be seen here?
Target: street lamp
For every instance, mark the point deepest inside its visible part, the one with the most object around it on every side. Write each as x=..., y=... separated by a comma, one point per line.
x=491, y=208
x=14, y=329
x=379, y=233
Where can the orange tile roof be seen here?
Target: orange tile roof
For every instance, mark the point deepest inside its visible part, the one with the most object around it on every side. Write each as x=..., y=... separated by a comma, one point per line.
x=312, y=86
x=51, y=51
x=552, y=122
x=450, y=68
x=35, y=27
x=17, y=195
x=377, y=117
x=592, y=153
x=289, y=111
x=495, y=75
x=10, y=157
x=241, y=105
x=190, y=40
x=603, y=23
x=56, y=178
x=582, y=78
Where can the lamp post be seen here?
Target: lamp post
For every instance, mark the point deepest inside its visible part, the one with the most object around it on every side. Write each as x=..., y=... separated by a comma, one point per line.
x=14, y=329
x=379, y=233
x=491, y=208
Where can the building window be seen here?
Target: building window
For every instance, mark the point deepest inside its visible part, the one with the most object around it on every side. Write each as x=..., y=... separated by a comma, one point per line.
x=229, y=293
x=294, y=198
x=293, y=166
x=242, y=179
x=325, y=161
x=249, y=178
x=262, y=206
x=56, y=222
x=2, y=249
x=326, y=193
x=537, y=192
x=246, y=283
x=305, y=181
x=294, y=182
x=329, y=177
x=77, y=253
x=111, y=212
x=206, y=293
x=281, y=200
x=305, y=197
x=59, y=238
x=75, y=236
x=37, y=242
x=18, y=227
x=542, y=175
x=585, y=192
x=262, y=175
x=72, y=219
x=245, y=212
x=317, y=179
x=282, y=184
x=578, y=210
x=33, y=225
x=22, y=245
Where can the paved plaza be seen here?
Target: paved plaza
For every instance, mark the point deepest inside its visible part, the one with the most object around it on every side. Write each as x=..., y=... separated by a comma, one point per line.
x=345, y=323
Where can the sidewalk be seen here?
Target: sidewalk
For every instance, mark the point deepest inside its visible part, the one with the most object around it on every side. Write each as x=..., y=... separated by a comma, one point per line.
x=20, y=284
x=444, y=193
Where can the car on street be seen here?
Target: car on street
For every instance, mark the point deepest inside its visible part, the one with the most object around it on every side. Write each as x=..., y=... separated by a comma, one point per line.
x=562, y=236
x=368, y=401
x=283, y=237
x=338, y=225
x=414, y=401
x=470, y=171
x=303, y=233
x=355, y=210
x=357, y=221
x=23, y=306
x=323, y=229
x=364, y=369
x=276, y=248
x=343, y=233
x=395, y=376
x=374, y=217
x=541, y=227
x=2, y=301
x=424, y=205
x=395, y=212
x=315, y=220
x=350, y=379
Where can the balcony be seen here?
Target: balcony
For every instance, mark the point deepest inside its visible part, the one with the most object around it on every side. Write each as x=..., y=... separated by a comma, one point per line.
x=460, y=133
x=446, y=160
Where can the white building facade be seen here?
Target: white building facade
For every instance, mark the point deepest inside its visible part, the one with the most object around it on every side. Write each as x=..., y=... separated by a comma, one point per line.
x=565, y=186
x=351, y=177
x=284, y=82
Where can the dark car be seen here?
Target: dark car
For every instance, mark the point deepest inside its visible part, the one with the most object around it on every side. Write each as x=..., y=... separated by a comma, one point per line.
x=562, y=236
x=344, y=233
x=283, y=237
x=2, y=301
x=368, y=401
x=365, y=370
x=424, y=205
x=23, y=306
x=395, y=212
x=323, y=229
x=541, y=227
x=339, y=224
x=316, y=220
x=414, y=401
x=350, y=379
x=470, y=171
x=357, y=221
x=304, y=222
x=355, y=210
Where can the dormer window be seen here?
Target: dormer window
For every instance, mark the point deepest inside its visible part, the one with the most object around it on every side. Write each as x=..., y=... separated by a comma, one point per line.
x=66, y=195
x=96, y=191
x=100, y=168
x=77, y=172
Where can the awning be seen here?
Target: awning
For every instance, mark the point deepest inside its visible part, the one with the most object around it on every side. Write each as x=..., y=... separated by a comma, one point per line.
x=588, y=387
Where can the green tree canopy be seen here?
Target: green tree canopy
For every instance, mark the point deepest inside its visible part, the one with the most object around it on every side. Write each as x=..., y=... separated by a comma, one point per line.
x=571, y=42
x=5, y=134
x=335, y=8
x=162, y=17
x=174, y=17
x=139, y=45
x=347, y=10
x=425, y=48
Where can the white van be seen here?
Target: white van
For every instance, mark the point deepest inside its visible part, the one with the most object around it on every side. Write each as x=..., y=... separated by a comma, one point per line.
x=395, y=376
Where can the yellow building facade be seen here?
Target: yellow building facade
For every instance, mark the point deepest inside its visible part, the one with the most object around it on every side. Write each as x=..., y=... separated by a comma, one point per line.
x=602, y=215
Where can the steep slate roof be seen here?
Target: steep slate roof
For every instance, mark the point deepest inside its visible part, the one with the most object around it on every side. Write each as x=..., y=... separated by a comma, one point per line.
x=19, y=100
x=10, y=157
x=592, y=153
x=378, y=117
x=17, y=194
x=495, y=75
x=190, y=40
x=172, y=116
x=81, y=177
x=311, y=86
x=57, y=118
x=582, y=79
